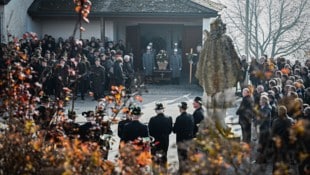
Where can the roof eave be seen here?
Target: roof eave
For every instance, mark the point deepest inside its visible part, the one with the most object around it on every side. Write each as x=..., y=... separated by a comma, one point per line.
x=124, y=14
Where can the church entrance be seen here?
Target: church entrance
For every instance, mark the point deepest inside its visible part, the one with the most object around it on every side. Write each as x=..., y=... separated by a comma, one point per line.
x=163, y=36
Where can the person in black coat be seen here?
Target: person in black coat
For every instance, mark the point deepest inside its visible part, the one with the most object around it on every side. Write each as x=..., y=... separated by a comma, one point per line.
x=61, y=75
x=135, y=129
x=160, y=127
x=246, y=114
x=98, y=80
x=128, y=72
x=280, y=130
x=184, y=129
x=264, y=121
x=82, y=71
x=122, y=123
x=118, y=72
x=198, y=113
x=107, y=63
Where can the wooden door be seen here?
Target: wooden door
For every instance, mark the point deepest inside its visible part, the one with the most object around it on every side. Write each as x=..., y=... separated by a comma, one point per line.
x=133, y=45
x=192, y=36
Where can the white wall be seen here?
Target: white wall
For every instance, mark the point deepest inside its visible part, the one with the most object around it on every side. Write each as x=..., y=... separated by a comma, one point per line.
x=65, y=27
x=206, y=26
x=109, y=30
x=16, y=17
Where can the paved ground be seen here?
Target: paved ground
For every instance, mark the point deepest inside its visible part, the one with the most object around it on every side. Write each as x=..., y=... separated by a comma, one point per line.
x=170, y=96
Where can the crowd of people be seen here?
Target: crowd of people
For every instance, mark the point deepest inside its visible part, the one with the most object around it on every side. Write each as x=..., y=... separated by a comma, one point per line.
x=82, y=65
x=91, y=66
x=276, y=102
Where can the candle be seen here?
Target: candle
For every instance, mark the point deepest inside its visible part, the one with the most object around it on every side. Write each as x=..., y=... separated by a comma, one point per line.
x=191, y=50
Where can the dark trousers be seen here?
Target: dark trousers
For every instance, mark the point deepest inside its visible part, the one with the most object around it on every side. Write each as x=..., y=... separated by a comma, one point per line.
x=159, y=155
x=246, y=132
x=182, y=156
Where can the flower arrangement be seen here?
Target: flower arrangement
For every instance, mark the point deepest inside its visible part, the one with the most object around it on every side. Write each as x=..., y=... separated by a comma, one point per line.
x=190, y=56
x=162, y=56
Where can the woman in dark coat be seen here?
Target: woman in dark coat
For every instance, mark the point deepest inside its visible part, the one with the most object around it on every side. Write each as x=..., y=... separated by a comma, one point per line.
x=245, y=112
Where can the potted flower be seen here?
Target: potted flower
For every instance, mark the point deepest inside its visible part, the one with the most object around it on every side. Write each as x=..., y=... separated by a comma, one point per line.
x=162, y=60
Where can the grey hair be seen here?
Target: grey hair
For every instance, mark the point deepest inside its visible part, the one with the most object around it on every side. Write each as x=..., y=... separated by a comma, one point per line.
x=158, y=111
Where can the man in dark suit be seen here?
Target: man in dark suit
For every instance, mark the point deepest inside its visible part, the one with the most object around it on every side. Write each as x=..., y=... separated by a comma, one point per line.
x=135, y=129
x=198, y=113
x=160, y=127
x=184, y=129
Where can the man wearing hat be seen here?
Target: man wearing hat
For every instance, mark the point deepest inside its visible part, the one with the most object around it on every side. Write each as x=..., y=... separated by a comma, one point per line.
x=135, y=129
x=160, y=127
x=198, y=113
x=184, y=129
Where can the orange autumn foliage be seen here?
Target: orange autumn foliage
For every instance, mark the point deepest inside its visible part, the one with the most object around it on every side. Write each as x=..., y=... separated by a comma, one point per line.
x=144, y=158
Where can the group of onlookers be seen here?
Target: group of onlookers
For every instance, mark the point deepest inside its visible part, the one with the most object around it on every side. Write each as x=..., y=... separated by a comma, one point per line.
x=80, y=65
x=276, y=102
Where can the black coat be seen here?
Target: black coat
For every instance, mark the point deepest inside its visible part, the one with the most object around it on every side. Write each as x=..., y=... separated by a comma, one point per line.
x=245, y=110
x=118, y=73
x=160, y=127
x=120, y=128
x=133, y=130
x=128, y=69
x=184, y=127
x=198, y=117
x=98, y=79
x=281, y=128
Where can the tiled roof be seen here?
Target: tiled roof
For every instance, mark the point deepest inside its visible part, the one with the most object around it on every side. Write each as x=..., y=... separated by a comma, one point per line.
x=123, y=8
x=210, y=4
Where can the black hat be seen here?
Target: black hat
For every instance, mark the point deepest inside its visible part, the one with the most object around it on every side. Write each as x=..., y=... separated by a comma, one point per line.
x=183, y=105
x=136, y=111
x=198, y=100
x=159, y=106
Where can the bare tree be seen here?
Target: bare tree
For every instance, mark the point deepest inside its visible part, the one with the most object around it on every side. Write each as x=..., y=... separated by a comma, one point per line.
x=272, y=27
